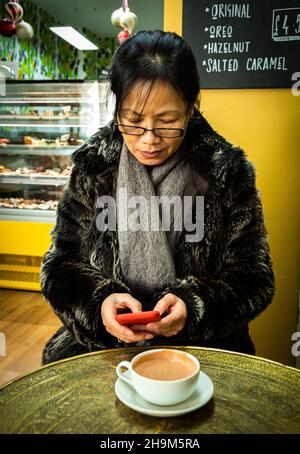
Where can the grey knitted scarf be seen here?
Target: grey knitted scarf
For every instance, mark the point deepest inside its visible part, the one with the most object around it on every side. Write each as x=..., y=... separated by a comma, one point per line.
x=147, y=255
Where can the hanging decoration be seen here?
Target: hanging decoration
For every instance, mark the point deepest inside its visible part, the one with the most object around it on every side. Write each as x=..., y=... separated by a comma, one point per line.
x=14, y=25
x=125, y=19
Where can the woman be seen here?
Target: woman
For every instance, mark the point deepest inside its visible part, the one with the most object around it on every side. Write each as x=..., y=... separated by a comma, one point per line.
x=207, y=287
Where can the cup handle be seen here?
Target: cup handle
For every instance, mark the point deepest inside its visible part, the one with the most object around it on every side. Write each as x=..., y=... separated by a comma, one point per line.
x=121, y=374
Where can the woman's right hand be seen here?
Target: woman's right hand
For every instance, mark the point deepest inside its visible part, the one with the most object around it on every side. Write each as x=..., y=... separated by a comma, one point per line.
x=109, y=309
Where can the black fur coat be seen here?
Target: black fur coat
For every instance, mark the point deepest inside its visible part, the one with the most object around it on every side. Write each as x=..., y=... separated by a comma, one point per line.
x=226, y=279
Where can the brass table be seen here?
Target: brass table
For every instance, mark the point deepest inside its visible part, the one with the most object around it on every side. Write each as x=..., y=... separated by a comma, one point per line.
x=252, y=395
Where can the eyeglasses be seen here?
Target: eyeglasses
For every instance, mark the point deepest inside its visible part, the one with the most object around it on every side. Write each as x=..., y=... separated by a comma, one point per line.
x=159, y=132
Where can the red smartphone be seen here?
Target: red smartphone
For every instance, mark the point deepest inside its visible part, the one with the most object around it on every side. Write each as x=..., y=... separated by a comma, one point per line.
x=138, y=318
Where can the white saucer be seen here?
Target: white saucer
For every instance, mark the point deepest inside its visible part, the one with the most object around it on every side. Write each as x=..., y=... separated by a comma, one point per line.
x=200, y=397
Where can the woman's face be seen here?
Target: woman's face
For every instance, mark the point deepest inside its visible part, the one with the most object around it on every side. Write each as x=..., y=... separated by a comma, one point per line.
x=164, y=108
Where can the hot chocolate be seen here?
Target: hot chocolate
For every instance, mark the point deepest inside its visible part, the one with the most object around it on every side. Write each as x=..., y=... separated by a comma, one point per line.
x=161, y=376
x=165, y=365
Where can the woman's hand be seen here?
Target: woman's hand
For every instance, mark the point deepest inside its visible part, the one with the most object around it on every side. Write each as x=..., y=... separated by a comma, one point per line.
x=109, y=309
x=170, y=325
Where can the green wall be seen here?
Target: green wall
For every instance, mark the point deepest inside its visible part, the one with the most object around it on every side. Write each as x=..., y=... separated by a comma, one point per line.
x=46, y=56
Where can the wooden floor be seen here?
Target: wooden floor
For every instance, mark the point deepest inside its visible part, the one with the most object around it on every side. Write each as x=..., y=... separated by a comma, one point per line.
x=27, y=322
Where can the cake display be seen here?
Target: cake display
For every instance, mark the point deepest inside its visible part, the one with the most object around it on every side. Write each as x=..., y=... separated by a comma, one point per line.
x=42, y=124
x=37, y=171
x=28, y=204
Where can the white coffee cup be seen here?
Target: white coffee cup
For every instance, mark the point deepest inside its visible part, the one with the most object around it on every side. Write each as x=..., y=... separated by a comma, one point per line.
x=162, y=376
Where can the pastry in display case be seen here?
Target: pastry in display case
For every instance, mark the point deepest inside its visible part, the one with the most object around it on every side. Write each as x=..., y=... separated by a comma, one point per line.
x=31, y=181
x=41, y=124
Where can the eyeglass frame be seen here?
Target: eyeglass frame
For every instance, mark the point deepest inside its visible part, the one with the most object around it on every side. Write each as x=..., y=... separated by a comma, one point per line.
x=181, y=131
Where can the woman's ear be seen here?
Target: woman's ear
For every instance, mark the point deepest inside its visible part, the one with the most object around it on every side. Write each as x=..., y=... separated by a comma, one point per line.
x=191, y=111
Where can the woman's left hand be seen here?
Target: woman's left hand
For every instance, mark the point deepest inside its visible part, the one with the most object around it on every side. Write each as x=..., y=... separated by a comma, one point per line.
x=171, y=324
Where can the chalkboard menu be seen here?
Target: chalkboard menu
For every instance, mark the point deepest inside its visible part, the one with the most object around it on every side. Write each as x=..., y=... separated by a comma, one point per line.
x=254, y=44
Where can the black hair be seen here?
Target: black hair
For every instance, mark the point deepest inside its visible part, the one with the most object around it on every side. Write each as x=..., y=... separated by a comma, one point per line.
x=154, y=56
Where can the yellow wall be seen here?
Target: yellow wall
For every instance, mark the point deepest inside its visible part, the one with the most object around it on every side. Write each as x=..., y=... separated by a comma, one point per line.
x=28, y=238
x=265, y=123
x=173, y=16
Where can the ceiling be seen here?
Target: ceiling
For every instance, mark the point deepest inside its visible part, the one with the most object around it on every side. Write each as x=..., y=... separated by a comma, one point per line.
x=95, y=14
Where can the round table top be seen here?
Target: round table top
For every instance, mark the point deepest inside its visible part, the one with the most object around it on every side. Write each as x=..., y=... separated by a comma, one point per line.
x=77, y=395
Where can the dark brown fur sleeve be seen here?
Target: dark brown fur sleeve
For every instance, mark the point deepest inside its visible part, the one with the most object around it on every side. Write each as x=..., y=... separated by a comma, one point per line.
x=227, y=300
x=72, y=286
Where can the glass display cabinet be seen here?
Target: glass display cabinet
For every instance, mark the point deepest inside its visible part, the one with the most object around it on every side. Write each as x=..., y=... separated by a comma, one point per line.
x=41, y=125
